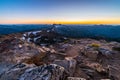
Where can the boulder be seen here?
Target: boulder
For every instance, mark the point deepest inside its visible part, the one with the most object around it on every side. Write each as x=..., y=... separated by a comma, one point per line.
x=45, y=72
x=69, y=64
x=114, y=72
x=116, y=48
x=90, y=52
x=14, y=72
x=106, y=52
x=27, y=72
x=80, y=73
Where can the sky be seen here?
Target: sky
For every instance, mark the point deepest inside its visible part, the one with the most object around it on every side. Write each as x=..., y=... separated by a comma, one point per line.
x=60, y=11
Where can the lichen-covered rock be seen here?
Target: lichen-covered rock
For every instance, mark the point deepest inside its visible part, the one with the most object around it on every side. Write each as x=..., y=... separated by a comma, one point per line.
x=57, y=59
x=45, y=72
x=106, y=52
x=22, y=52
x=80, y=73
x=90, y=52
x=69, y=64
x=114, y=72
x=14, y=72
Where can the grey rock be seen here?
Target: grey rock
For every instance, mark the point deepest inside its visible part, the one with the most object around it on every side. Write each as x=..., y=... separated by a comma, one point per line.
x=106, y=52
x=14, y=72
x=45, y=72
x=69, y=64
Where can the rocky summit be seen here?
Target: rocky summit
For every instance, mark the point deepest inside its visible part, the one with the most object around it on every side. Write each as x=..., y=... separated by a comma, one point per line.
x=46, y=55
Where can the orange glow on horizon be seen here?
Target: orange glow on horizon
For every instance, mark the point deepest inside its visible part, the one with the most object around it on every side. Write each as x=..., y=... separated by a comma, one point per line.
x=61, y=22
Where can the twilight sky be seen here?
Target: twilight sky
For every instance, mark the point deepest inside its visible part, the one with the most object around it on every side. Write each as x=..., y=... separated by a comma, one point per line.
x=60, y=11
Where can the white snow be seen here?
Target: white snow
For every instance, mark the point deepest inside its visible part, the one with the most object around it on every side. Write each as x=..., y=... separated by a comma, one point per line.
x=23, y=38
x=36, y=38
x=28, y=40
x=48, y=30
x=29, y=33
x=34, y=32
x=24, y=35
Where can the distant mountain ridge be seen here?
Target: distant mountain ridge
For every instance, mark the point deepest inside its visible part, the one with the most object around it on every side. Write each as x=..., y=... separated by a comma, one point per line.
x=108, y=32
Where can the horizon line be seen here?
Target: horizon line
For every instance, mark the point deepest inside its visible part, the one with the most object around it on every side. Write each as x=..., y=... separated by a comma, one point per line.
x=93, y=22
x=51, y=24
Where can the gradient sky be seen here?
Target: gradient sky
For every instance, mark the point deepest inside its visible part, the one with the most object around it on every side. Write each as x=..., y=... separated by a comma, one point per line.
x=60, y=11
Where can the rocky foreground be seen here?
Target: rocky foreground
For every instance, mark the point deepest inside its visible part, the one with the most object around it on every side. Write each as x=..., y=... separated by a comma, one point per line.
x=46, y=55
